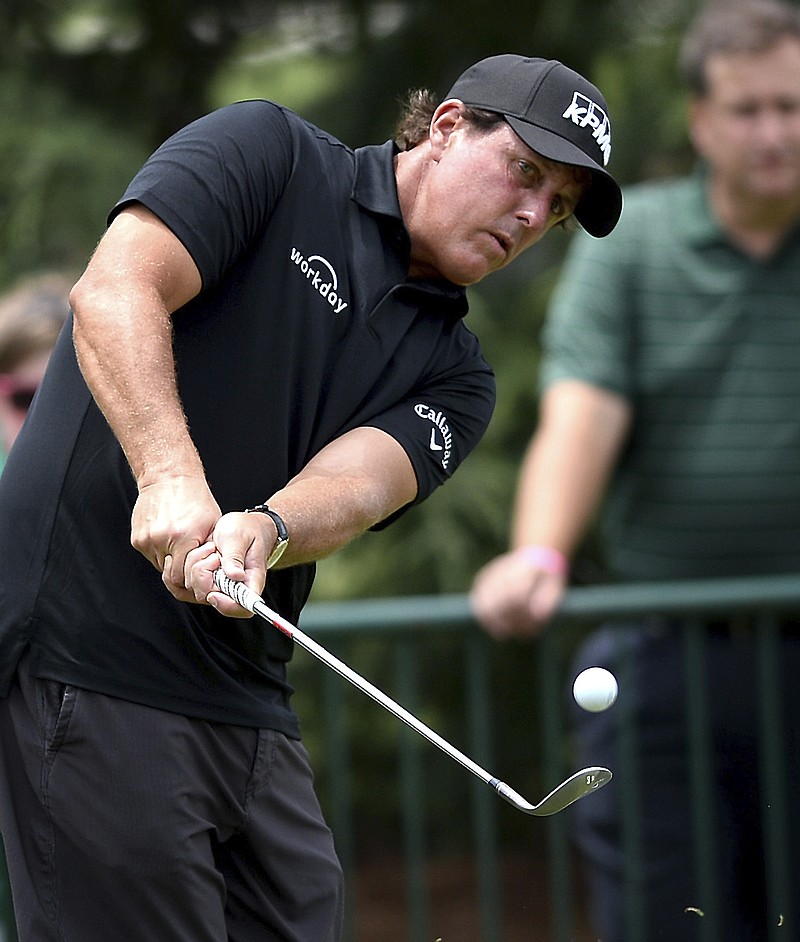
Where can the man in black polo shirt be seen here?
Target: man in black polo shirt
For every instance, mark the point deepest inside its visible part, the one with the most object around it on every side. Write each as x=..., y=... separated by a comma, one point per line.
x=270, y=316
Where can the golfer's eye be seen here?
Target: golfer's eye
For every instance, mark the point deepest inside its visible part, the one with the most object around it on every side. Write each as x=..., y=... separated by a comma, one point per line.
x=744, y=109
x=526, y=169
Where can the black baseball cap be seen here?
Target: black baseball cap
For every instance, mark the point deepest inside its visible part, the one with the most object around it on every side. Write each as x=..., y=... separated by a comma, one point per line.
x=557, y=113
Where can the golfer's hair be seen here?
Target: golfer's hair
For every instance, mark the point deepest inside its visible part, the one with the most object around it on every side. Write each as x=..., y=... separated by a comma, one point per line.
x=415, y=120
x=734, y=26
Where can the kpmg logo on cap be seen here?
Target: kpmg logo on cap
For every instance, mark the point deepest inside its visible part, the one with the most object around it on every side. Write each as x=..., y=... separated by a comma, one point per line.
x=585, y=113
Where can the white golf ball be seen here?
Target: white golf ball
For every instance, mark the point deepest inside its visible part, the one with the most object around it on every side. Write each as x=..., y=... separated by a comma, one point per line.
x=595, y=689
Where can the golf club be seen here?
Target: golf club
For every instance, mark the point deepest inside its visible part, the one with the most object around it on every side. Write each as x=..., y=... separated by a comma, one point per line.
x=575, y=787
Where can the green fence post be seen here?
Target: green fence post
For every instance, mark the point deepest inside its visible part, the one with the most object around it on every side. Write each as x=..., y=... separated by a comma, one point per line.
x=8, y=925
x=550, y=675
x=774, y=779
x=339, y=763
x=413, y=795
x=484, y=802
x=702, y=775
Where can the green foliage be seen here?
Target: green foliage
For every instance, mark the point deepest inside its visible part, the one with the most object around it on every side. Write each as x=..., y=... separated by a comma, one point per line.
x=137, y=65
x=639, y=78
x=61, y=170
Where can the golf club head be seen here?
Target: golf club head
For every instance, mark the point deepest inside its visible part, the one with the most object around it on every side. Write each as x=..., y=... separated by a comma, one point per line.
x=575, y=787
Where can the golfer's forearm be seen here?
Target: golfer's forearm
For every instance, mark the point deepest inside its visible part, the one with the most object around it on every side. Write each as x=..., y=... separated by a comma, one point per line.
x=126, y=360
x=122, y=308
x=352, y=484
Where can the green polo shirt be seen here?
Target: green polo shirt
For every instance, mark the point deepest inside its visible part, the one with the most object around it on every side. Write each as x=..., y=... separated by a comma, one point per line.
x=704, y=341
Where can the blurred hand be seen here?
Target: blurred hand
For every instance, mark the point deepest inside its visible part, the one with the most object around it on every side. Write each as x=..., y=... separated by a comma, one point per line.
x=511, y=597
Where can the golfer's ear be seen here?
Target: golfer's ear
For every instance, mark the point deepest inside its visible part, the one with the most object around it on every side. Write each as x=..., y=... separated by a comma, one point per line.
x=445, y=120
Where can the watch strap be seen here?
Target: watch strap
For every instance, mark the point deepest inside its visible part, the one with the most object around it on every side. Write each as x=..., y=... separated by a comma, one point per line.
x=283, y=533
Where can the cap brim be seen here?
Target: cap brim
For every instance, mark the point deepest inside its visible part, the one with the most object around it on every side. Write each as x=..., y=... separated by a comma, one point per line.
x=600, y=207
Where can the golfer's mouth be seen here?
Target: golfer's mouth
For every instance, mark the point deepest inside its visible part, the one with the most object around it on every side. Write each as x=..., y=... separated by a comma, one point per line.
x=504, y=242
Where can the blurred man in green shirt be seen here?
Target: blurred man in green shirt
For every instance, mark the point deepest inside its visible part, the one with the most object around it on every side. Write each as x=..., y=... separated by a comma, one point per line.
x=670, y=385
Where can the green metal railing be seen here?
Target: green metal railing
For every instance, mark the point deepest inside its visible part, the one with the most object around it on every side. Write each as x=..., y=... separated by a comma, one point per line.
x=419, y=643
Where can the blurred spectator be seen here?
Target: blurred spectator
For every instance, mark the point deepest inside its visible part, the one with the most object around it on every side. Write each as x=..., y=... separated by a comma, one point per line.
x=671, y=385
x=32, y=314
x=31, y=317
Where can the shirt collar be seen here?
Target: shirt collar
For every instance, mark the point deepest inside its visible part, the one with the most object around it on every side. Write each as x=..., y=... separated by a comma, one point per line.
x=374, y=183
x=702, y=227
x=375, y=190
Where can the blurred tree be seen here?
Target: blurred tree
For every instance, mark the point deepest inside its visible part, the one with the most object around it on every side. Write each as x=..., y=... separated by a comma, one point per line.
x=140, y=65
x=61, y=169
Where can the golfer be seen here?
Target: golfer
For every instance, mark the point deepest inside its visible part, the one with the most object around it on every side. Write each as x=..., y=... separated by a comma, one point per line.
x=267, y=357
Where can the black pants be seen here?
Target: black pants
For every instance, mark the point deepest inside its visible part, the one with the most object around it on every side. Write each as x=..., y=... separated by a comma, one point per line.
x=654, y=786
x=128, y=823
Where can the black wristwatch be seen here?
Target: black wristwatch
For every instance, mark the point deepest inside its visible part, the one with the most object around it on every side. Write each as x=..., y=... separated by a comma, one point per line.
x=280, y=526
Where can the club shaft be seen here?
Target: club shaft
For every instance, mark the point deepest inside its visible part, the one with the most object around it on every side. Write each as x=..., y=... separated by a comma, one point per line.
x=254, y=603
x=322, y=654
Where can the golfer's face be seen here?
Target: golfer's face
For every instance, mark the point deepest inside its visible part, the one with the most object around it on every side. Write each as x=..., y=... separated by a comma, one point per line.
x=748, y=124
x=488, y=198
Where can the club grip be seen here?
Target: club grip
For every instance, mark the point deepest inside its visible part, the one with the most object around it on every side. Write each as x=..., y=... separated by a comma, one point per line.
x=236, y=590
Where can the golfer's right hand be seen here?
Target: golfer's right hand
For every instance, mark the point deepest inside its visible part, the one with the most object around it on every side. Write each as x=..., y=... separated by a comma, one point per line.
x=240, y=545
x=171, y=517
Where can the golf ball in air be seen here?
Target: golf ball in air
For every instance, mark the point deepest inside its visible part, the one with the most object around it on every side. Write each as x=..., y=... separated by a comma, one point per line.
x=595, y=689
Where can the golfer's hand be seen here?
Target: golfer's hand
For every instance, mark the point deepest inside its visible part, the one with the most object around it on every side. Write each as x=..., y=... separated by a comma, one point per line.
x=172, y=517
x=240, y=544
x=510, y=597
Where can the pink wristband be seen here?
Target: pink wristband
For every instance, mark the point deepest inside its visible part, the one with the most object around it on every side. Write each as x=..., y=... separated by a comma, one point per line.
x=549, y=560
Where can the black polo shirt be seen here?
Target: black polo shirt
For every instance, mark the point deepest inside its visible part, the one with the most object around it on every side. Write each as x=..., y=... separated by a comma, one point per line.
x=306, y=327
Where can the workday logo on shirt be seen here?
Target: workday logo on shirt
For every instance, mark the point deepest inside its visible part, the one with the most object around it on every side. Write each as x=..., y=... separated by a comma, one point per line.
x=441, y=440
x=321, y=276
